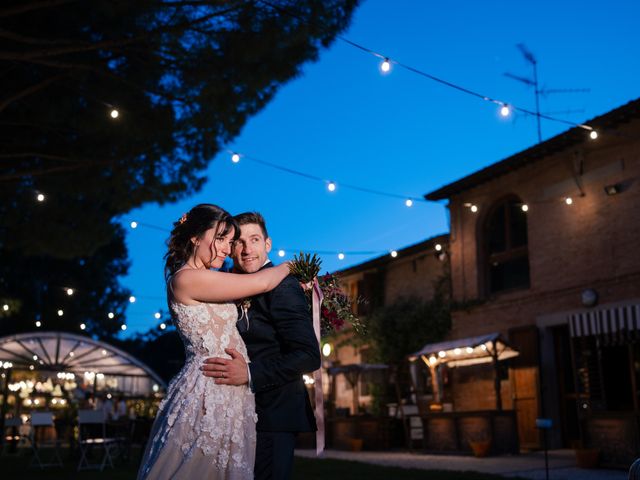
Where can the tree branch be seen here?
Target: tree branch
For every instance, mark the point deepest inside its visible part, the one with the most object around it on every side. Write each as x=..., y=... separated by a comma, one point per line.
x=27, y=56
x=59, y=169
x=28, y=91
x=44, y=156
x=32, y=6
x=30, y=40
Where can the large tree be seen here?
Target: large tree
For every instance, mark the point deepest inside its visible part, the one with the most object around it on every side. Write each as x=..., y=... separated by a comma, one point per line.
x=183, y=77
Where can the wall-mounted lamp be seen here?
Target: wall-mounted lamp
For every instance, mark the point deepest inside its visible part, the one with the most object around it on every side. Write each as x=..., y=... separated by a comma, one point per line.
x=614, y=189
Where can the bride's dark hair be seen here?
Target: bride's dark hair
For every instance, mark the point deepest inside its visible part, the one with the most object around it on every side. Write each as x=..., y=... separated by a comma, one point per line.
x=195, y=223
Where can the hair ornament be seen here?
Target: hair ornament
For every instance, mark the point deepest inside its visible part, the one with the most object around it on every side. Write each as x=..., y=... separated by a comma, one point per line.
x=183, y=218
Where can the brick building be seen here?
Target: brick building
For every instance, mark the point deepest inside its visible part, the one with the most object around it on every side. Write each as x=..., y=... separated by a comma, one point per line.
x=544, y=248
x=382, y=281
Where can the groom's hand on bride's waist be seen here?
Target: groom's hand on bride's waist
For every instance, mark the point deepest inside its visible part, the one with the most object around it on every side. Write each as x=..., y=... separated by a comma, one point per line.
x=227, y=371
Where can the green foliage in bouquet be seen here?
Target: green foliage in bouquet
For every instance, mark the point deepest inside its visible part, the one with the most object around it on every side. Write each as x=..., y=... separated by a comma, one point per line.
x=336, y=310
x=305, y=267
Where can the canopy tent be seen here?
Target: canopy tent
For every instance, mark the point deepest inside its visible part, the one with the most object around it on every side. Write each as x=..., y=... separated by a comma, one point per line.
x=467, y=351
x=490, y=348
x=68, y=353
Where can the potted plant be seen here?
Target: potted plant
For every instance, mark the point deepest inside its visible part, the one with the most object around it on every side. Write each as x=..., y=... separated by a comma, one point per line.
x=480, y=448
x=355, y=444
x=587, y=457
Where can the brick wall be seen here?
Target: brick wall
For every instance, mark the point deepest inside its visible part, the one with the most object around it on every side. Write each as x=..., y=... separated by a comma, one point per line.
x=590, y=244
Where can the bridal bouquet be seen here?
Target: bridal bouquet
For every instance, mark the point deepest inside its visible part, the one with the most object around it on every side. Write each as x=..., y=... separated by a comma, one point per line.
x=336, y=309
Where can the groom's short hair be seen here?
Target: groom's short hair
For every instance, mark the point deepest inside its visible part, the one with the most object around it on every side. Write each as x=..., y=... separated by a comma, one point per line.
x=252, y=217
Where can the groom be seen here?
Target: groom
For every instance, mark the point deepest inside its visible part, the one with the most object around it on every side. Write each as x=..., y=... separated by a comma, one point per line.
x=282, y=345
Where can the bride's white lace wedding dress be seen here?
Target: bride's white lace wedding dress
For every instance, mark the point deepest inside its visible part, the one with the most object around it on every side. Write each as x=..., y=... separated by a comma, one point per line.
x=203, y=430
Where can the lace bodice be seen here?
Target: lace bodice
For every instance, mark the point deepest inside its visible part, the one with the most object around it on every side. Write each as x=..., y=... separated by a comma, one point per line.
x=207, y=329
x=209, y=424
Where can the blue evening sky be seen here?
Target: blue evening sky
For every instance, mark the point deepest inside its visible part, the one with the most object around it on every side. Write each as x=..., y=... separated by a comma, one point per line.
x=342, y=120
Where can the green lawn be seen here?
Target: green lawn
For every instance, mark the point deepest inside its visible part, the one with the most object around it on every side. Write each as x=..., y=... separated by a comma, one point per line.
x=15, y=467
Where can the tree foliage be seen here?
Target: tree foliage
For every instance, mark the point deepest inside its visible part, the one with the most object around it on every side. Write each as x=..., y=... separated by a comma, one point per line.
x=399, y=329
x=39, y=287
x=184, y=77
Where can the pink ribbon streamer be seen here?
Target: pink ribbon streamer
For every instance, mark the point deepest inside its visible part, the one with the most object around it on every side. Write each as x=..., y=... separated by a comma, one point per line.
x=316, y=301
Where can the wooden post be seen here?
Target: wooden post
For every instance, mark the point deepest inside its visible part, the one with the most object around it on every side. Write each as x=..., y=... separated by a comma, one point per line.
x=3, y=408
x=435, y=384
x=496, y=380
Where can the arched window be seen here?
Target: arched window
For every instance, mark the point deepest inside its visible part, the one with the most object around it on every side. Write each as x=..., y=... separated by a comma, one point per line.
x=506, y=250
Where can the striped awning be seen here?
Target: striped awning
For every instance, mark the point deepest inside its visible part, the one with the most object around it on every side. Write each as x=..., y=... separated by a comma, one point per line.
x=617, y=325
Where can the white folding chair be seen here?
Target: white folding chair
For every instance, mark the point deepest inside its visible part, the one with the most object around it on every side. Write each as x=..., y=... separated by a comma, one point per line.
x=92, y=433
x=39, y=421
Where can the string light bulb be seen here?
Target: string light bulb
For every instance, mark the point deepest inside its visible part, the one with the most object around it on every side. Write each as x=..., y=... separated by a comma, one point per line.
x=60, y=312
x=69, y=291
x=114, y=113
x=111, y=315
x=235, y=158
x=341, y=256
x=123, y=327
x=438, y=247
x=281, y=253
x=593, y=135
x=132, y=299
x=38, y=323
x=474, y=208
x=505, y=111
x=385, y=66
x=568, y=201
x=134, y=225
x=163, y=326
x=157, y=315
x=331, y=186
x=525, y=208
x=40, y=197
x=394, y=253
x=82, y=327
x=5, y=307
x=408, y=202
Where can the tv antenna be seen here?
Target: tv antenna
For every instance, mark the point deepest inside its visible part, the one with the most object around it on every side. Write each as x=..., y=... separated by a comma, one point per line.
x=533, y=82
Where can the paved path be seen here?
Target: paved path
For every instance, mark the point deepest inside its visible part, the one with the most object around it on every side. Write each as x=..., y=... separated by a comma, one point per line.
x=562, y=465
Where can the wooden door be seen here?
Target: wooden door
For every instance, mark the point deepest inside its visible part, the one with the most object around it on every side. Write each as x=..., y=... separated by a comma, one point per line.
x=525, y=385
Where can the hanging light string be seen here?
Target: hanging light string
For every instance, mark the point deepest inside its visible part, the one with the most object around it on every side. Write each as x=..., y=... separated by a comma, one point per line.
x=331, y=184
x=387, y=61
x=72, y=291
x=281, y=252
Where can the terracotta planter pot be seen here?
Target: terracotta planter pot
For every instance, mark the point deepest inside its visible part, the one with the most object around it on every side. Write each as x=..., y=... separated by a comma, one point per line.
x=480, y=448
x=587, y=457
x=355, y=444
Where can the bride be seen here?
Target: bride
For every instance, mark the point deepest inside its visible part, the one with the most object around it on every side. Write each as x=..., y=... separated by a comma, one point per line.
x=205, y=430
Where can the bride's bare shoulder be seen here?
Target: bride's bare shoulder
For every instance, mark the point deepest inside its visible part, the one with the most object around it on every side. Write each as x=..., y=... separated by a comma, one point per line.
x=187, y=278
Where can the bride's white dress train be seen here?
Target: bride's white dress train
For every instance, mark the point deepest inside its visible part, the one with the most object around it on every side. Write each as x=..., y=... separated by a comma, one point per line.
x=203, y=430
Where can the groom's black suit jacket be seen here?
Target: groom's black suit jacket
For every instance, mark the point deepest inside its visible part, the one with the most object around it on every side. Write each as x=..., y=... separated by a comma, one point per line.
x=282, y=346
